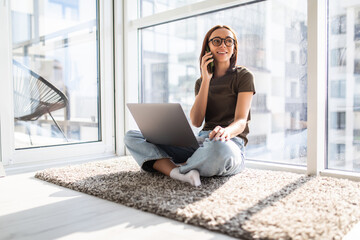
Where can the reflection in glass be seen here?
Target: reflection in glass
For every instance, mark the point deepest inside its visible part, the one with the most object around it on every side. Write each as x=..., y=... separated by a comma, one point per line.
x=55, y=72
x=272, y=38
x=343, y=143
x=150, y=7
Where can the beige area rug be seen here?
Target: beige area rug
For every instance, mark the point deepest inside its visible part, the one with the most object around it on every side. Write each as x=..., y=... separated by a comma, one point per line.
x=255, y=204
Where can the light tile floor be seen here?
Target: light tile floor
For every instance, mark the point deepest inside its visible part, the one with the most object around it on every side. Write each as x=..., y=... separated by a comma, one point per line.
x=33, y=209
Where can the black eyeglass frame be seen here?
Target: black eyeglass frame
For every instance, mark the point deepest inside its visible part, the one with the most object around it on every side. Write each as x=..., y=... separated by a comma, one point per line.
x=222, y=40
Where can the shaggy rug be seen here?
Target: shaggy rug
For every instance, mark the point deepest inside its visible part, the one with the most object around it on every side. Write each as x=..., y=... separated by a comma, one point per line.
x=255, y=204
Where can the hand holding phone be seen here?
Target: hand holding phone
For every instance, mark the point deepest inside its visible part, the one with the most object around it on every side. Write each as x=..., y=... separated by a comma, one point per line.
x=210, y=66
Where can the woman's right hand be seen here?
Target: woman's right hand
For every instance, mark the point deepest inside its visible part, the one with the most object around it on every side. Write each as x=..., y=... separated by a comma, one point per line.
x=205, y=61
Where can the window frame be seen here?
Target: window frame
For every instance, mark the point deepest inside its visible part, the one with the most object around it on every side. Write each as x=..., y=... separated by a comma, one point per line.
x=69, y=152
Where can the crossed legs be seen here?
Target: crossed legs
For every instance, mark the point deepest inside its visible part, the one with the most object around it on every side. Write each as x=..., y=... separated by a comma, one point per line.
x=167, y=167
x=214, y=158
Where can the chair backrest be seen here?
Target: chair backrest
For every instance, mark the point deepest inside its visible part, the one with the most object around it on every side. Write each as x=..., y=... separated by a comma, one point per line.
x=33, y=95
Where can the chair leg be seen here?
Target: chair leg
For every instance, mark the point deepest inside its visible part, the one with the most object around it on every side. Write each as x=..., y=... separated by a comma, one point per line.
x=29, y=133
x=57, y=125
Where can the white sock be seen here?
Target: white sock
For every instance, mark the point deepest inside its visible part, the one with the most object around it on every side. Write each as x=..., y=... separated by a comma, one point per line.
x=192, y=177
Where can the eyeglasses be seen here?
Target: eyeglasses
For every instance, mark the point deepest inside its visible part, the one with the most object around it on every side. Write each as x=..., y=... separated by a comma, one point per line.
x=217, y=41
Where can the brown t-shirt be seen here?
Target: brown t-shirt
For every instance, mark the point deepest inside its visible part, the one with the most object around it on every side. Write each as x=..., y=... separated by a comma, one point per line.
x=222, y=98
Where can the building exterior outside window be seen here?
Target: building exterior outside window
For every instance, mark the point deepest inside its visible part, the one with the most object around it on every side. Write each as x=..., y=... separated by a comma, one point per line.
x=344, y=87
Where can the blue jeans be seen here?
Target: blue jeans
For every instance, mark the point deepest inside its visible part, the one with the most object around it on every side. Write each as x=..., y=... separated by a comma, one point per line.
x=212, y=158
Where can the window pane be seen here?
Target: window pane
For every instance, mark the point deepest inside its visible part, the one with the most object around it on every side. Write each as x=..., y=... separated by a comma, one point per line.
x=344, y=86
x=150, y=7
x=55, y=70
x=272, y=39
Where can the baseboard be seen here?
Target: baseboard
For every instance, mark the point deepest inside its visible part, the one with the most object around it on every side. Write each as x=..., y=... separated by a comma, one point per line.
x=2, y=171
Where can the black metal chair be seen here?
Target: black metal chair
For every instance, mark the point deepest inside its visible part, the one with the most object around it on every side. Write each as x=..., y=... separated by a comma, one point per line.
x=34, y=96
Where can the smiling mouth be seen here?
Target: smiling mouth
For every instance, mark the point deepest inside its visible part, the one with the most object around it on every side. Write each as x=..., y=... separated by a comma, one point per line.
x=221, y=52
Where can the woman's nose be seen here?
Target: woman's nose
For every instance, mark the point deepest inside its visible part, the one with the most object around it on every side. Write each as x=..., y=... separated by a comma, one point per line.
x=222, y=44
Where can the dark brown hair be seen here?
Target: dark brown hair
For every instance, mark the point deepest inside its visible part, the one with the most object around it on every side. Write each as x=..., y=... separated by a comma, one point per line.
x=233, y=58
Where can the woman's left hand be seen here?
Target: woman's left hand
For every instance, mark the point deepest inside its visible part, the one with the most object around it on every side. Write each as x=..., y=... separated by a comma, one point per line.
x=220, y=134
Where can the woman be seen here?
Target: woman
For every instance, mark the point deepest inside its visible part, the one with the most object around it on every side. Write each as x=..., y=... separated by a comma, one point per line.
x=223, y=100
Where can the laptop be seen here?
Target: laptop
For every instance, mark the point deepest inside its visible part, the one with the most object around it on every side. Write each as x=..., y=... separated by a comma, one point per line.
x=163, y=123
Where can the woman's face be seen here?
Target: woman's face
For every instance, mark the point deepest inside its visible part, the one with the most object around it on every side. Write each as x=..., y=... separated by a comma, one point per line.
x=221, y=53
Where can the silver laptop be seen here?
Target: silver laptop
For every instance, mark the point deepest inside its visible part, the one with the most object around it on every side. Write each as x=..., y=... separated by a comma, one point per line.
x=163, y=123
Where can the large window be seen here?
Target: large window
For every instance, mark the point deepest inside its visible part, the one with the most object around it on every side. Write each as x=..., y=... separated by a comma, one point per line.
x=272, y=39
x=56, y=74
x=344, y=94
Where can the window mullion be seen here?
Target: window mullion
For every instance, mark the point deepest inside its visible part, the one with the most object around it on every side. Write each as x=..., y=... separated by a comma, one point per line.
x=119, y=76
x=317, y=65
x=6, y=105
x=131, y=61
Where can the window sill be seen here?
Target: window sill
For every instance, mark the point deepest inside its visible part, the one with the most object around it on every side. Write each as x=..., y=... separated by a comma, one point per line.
x=275, y=166
x=354, y=176
x=20, y=168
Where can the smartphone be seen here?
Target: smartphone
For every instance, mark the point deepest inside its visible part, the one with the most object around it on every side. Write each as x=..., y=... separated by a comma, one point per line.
x=210, y=66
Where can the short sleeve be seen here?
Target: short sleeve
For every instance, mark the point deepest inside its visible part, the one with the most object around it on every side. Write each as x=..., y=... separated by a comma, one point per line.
x=244, y=81
x=197, y=86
